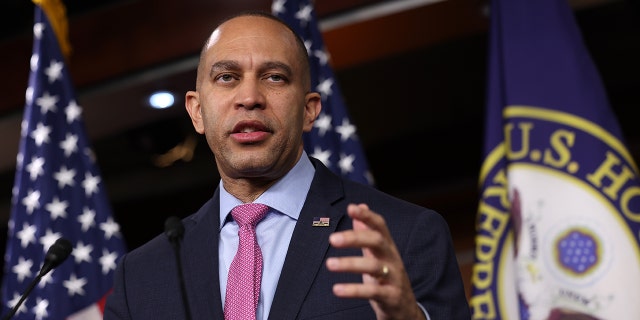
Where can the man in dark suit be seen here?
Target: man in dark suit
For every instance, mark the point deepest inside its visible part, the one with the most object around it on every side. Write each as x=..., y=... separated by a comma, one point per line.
x=331, y=248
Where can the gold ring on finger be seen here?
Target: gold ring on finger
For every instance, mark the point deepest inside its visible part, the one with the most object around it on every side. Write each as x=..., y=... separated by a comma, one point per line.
x=384, y=272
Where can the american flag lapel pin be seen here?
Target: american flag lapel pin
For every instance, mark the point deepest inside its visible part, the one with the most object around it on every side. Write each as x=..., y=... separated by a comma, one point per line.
x=320, y=221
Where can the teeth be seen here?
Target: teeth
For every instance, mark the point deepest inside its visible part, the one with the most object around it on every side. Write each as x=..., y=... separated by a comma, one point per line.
x=247, y=130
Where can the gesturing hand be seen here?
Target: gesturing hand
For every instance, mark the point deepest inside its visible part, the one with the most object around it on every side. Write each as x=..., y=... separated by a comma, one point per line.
x=384, y=279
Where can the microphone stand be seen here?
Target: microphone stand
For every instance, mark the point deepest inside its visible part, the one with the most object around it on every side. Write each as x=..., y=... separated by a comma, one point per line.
x=174, y=230
x=32, y=285
x=183, y=289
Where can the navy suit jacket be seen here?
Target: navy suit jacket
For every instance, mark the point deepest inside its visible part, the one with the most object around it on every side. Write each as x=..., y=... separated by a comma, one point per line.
x=147, y=285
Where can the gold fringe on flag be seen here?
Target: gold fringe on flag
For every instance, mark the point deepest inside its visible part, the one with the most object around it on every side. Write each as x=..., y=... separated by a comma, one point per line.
x=57, y=14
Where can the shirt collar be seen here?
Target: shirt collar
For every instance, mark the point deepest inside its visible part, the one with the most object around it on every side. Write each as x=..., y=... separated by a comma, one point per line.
x=286, y=196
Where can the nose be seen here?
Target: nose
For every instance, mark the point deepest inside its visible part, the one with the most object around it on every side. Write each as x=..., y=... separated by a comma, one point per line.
x=250, y=95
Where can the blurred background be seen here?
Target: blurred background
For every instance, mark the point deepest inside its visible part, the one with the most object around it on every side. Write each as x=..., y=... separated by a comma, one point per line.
x=412, y=74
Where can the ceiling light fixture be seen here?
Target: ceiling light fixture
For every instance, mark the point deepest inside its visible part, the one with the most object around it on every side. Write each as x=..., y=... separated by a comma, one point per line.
x=161, y=99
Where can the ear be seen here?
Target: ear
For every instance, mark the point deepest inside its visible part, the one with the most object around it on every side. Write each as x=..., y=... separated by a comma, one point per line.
x=312, y=109
x=192, y=104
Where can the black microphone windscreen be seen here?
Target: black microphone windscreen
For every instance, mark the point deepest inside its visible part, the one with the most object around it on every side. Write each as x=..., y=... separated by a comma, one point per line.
x=173, y=228
x=57, y=253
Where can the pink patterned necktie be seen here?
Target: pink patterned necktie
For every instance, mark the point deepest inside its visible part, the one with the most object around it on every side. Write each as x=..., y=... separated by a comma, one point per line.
x=245, y=273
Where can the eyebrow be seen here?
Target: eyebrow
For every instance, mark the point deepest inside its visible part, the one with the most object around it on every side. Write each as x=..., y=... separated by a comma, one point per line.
x=224, y=65
x=275, y=65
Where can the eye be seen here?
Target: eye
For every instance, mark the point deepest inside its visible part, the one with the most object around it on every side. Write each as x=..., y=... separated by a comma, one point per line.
x=225, y=77
x=276, y=78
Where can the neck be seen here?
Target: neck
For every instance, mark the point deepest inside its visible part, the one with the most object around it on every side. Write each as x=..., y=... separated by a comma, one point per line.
x=246, y=190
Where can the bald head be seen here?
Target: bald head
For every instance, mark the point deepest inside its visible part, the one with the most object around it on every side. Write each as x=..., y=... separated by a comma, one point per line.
x=256, y=20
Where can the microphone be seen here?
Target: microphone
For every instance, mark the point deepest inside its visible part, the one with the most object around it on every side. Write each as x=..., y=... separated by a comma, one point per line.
x=57, y=253
x=174, y=229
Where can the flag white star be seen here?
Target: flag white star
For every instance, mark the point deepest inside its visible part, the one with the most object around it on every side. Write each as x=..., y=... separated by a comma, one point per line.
x=324, y=88
x=304, y=14
x=23, y=269
x=110, y=228
x=322, y=155
x=57, y=208
x=90, y=183
x=307, y=45
x=47, y=102
x=86, y=219
x=38, y=28
x=31, y=201
x=14, y=301
x=27, y=235
x=74, y=285
x=278, y=6
x=41, y=134
x=14, y=194
x=108, y=261
x=24, y=128
x=19, y=160
x=33, y=63
x=73, y=111
x=35, y=168
x=82, y=252
x=322, y=55
x=89, y=153
x=323, y=123
x=28, y=94
x=346, y=163
x=65, y=177
x=54, y=70
x=369, y=177
x=45, y=280
x=69, y=144
x=346, y=130
x=48, y=239
x=40, y=310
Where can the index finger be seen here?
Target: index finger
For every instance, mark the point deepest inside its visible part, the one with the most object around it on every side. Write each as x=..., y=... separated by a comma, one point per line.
x=364, y=218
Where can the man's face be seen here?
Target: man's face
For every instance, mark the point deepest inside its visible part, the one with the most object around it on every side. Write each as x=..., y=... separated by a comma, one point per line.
x=252, y=102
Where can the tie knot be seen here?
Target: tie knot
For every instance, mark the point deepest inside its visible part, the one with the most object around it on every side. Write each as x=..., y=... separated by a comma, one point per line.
x=249, y=213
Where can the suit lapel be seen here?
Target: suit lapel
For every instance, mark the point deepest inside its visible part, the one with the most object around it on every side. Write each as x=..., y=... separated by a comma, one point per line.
x=200, y=256
x=309, y=244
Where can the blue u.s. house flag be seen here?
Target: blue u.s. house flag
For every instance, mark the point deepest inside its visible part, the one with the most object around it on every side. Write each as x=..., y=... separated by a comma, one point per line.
x=559, y=210
x=333, y=139
x=58, y=193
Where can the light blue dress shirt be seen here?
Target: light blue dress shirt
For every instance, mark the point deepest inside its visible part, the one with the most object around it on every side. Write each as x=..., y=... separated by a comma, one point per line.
x=285, y=200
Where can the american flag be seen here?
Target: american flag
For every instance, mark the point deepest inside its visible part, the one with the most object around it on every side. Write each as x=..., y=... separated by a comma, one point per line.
x=57, y=193
x=333, y=139
x=321, y=221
